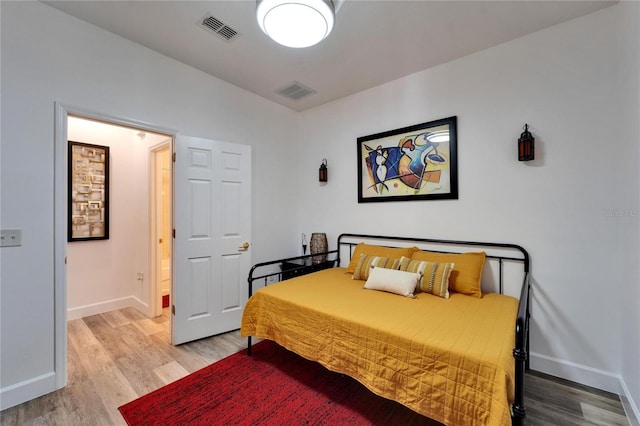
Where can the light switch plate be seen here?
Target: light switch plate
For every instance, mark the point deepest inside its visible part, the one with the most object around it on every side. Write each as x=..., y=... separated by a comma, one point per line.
x=10, y=237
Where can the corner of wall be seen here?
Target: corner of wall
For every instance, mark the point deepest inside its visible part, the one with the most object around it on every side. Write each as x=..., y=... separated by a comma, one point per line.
x=591, y=377
x=630, y=408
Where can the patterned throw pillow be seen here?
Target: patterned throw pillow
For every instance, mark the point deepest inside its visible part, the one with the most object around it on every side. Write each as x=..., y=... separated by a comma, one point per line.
x=467, y=276
x=365, y=264
x=434, y=277
x=375, y=250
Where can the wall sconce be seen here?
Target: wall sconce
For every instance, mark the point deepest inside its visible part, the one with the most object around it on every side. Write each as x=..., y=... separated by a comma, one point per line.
x=526, y=149
x=322, y=173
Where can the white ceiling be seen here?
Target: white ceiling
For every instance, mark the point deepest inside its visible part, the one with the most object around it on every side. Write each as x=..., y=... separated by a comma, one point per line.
x=373, y=42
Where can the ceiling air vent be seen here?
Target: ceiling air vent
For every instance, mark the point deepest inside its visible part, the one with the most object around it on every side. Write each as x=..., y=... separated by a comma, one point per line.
x=296, y=91
x=219, y=28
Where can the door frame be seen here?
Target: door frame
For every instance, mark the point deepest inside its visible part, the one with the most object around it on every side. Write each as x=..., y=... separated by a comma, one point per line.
x=156, y=257
x=62, y=112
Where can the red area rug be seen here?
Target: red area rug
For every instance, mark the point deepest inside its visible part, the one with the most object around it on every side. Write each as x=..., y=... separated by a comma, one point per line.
x=272, y=387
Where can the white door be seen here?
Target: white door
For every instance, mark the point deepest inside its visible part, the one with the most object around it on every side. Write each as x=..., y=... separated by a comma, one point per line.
x=212, y=222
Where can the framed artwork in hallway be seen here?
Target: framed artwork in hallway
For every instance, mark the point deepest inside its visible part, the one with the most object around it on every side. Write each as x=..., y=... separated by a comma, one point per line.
x=88, y=192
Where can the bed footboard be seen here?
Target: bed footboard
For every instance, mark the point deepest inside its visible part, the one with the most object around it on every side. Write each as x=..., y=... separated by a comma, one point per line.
x=521, y=352
x=266, y=272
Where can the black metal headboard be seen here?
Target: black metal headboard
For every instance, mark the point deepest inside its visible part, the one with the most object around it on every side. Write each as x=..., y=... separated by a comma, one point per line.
x=499, y=252
x=503, y=252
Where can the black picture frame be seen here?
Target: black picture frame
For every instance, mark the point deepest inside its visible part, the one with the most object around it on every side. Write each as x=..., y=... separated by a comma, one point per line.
x=418, y=162
x=88, y=192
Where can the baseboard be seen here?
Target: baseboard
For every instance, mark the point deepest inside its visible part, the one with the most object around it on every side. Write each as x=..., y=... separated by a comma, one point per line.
x=26, y=390
x=629, y=405
x=589, y=376
x=576, y=372
x=106, y=306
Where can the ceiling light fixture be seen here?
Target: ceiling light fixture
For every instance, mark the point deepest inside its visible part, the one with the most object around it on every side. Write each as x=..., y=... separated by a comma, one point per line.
x=438, y=136
x=296, y=23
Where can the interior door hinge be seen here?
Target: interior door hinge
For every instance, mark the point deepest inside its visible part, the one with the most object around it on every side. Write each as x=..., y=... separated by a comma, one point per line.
x=174, y=232
x=173, y=309
x=173, y=157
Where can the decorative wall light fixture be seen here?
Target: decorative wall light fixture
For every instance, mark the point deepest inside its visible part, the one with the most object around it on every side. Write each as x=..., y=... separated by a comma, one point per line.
x=296, y=23
x=526, y=150
x=322, y=175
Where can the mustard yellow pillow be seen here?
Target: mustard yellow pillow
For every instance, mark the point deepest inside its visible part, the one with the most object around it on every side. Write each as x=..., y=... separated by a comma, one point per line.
x=374, y=250
x=466, y=276
x=434, y=276
x=366, y=263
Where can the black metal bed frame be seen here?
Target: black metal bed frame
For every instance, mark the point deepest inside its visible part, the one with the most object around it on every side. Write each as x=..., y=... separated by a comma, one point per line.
x=521, y=350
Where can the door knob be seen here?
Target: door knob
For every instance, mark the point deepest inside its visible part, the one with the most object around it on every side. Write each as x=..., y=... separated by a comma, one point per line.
x=244, y=246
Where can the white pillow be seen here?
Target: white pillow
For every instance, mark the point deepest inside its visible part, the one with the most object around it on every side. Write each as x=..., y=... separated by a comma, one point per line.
x=398, y=282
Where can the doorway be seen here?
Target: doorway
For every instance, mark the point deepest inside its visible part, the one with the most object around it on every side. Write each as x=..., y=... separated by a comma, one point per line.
x=108, y=274
x=231, y=224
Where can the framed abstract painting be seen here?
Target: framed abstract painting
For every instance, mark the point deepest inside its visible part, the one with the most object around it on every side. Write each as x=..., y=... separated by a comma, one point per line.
x=88, y=214
x=417, y=162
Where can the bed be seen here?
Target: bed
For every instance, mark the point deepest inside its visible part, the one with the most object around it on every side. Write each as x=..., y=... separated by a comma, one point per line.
x=457, y=357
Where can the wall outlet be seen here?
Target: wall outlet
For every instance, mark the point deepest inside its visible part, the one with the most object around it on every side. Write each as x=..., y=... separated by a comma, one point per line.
x=10, y=237
x=140, y=276
x=272, y=279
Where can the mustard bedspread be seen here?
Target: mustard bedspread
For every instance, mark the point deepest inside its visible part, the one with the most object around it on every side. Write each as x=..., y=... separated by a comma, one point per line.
x=448, y=359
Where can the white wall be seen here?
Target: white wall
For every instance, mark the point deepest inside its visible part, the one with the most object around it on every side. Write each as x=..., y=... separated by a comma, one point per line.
x=566, y=82
x=630, y=251
x=102, y=274
x=49, y=57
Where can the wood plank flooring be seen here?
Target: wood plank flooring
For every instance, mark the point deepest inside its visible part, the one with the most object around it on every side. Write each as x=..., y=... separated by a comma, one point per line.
x=118, y=356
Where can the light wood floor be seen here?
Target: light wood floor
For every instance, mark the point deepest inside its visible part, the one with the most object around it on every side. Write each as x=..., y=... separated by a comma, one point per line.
x=115, y=357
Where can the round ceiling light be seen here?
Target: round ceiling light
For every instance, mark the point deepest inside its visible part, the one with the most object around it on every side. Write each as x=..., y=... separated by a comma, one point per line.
x=438, y=136
x=296, y=23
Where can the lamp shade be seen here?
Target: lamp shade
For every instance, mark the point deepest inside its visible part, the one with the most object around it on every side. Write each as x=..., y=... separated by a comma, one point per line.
x=319, y=244
x=296, y=23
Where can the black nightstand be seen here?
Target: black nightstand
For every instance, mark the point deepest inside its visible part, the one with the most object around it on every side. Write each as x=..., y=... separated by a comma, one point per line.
x=296, y=268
